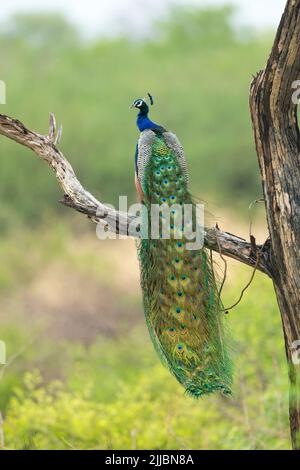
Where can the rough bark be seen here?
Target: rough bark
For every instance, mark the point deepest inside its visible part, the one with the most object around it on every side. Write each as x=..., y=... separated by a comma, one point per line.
x=76, y=197
x=274, y=117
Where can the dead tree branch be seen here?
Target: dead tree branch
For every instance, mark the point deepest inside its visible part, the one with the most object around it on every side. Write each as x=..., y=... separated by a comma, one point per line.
x=78, y=198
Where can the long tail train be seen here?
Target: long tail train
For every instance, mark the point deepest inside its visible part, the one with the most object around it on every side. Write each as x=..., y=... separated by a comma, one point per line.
x=181, y=302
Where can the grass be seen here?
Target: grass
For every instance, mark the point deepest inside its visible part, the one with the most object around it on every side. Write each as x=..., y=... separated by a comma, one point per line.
x=108, y=390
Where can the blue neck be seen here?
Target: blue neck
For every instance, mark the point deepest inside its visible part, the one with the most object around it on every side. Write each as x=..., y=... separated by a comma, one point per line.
x=144, y=123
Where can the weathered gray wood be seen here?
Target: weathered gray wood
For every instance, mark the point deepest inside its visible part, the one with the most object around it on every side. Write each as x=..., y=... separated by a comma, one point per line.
x=274, y=117
x=78, y=198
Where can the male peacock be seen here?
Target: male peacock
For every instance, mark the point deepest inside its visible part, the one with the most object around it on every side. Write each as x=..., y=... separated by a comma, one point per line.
x=181, y=302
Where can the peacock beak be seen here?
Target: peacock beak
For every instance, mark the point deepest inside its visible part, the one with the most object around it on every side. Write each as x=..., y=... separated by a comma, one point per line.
x=131, y=106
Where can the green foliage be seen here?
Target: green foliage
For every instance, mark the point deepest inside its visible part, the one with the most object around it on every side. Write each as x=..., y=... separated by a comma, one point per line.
x=41, y=31
x=198, y=70
x=117, y=396
x=192, y=27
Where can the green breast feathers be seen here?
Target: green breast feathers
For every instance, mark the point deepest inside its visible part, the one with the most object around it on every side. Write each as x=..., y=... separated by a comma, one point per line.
x=183, y=311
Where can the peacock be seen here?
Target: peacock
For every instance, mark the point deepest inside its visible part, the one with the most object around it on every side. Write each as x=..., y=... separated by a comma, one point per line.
x=183, y=310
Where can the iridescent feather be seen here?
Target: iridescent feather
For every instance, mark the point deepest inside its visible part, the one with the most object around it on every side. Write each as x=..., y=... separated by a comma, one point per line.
x=183, y=311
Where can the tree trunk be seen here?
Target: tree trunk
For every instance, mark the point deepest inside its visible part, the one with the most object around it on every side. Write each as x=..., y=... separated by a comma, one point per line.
x=274, y=117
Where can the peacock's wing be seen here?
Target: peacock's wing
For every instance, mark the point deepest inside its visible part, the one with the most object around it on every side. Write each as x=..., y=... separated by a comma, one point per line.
x=144, y=154
x=175, y=146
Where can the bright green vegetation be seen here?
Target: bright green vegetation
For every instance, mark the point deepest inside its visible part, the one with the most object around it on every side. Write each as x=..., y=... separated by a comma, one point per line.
x=117, y=395
x=110, y=391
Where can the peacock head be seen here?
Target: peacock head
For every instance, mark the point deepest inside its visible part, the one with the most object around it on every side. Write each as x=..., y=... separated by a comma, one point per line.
x=141, y=104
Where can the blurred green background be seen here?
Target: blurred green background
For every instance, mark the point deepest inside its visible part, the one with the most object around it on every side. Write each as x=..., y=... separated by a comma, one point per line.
x=81, y=370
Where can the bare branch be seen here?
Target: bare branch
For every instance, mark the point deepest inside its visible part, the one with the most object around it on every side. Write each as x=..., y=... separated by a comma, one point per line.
x=76, y=197
x=52, y=127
